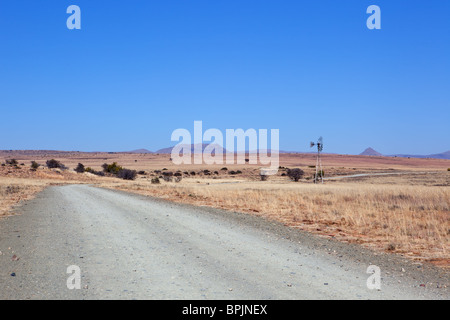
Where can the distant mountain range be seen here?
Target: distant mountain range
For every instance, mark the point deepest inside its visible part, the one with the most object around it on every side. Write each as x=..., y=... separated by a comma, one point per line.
x=218, y=147
x=368, y=152
x=169, y=149
x=372, y=152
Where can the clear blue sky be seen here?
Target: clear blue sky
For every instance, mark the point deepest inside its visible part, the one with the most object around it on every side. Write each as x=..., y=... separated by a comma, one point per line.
x=137, y=70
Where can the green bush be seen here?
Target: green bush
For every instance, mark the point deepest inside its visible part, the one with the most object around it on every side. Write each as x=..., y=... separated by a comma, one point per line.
x=111, y=168
x=155, y=180
x=34, y=165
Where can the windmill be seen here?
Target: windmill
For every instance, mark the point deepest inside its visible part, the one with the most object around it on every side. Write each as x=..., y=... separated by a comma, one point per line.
x=319, y=145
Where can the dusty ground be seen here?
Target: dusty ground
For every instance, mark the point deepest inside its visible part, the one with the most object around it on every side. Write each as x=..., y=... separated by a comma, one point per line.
x=406, y=214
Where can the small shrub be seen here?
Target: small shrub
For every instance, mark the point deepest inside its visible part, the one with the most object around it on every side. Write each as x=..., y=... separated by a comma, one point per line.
x=12, y=162
x=97, y=173
x=224, y=169
x=295, y=174
x=34, y=165
x=238, y=172
x=55, y=164
x=155, y=180
x=80, y=168
x=263, y=177
x=112, y=168
x=141, y=172
x=390, y=247
x=52, y=164
x=127, y=174
x=167, y=176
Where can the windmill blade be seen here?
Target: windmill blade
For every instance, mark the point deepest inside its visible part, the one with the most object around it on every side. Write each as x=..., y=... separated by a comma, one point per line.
x=320, y=144
x=312, y=144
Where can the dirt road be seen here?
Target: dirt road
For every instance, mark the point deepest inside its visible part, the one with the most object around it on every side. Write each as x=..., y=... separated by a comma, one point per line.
x=133, y=247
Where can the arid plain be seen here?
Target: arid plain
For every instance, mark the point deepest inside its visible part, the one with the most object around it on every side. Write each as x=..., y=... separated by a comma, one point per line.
x=395, y=205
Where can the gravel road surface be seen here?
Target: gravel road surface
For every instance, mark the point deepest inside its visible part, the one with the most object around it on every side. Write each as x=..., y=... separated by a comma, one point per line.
x=128, y=246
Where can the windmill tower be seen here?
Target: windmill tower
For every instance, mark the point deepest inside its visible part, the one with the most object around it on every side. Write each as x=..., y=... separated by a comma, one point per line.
x=319, y=169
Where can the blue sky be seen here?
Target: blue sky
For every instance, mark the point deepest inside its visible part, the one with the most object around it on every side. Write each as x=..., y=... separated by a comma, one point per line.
x=137, y=70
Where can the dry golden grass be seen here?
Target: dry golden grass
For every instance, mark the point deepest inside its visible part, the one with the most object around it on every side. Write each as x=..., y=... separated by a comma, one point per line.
x=12, y=191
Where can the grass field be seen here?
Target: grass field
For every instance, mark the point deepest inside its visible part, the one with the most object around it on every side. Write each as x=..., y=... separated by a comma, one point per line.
x=407, y=214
